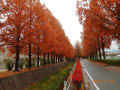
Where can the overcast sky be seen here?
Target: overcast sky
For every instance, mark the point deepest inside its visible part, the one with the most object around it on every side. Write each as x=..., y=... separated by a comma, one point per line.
x=65, y=12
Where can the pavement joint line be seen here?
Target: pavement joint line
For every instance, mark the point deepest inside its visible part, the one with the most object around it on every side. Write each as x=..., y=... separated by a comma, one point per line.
x=96, y=86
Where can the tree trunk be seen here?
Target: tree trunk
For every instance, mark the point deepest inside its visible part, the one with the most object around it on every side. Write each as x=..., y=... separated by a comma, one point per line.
x=38, y=57
x=54, y=57
x=29, y=54
x=51, y=58
x=103, y=47
x=48, y=59
x=96, y=54
x=59, y=59
x=44, y=60
x=17, y=59
x=99, y=50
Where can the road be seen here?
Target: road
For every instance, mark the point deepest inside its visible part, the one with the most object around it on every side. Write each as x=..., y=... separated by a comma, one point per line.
x=100, y=76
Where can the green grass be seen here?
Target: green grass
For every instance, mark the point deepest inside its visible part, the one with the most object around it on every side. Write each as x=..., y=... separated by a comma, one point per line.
x=54, y=81
x=113, y=59
x=114, y=62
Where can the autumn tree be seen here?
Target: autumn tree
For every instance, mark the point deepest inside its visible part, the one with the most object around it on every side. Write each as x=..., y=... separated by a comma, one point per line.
x=77, y=49
x=13, y=33
x=36, y=17
x=102, y=17
x=30, y=28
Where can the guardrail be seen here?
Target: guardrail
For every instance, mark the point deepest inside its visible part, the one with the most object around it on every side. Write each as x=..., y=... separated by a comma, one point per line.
x=68, y=83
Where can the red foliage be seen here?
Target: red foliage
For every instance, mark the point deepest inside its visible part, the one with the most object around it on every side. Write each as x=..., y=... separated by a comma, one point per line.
x=30, y=28
x=77, y=74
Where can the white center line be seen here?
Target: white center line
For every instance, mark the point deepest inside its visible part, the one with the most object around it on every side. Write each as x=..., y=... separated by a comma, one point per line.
x=96, y=86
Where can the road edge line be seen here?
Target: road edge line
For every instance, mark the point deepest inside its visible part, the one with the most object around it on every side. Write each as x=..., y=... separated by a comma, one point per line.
x=96, y=86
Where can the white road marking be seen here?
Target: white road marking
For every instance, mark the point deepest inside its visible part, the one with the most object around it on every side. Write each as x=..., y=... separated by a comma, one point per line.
x=96, y=86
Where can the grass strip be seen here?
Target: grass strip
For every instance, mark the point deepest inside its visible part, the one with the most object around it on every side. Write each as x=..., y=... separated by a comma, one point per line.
x=53, y=82
x=109, y=61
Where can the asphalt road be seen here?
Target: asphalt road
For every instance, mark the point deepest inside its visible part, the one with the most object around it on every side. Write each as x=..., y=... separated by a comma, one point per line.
x=100, y=77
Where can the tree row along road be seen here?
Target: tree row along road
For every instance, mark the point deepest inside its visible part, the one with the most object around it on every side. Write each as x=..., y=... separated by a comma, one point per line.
x=29, y=28
x=101, y=77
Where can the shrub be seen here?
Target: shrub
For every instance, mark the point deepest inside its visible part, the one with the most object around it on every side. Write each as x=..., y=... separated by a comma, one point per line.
x=9, y=64
x=41, y=62
x=33, y=62
x=109, y=61
x=22, y=63
x=53, y=82
x=26, y=65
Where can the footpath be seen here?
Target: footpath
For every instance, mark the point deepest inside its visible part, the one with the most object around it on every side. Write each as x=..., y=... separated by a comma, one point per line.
x=68, y=84
x=75, y=75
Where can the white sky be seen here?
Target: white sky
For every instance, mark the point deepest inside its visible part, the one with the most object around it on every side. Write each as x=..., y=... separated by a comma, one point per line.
x=114, y=46
x=65, y=12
